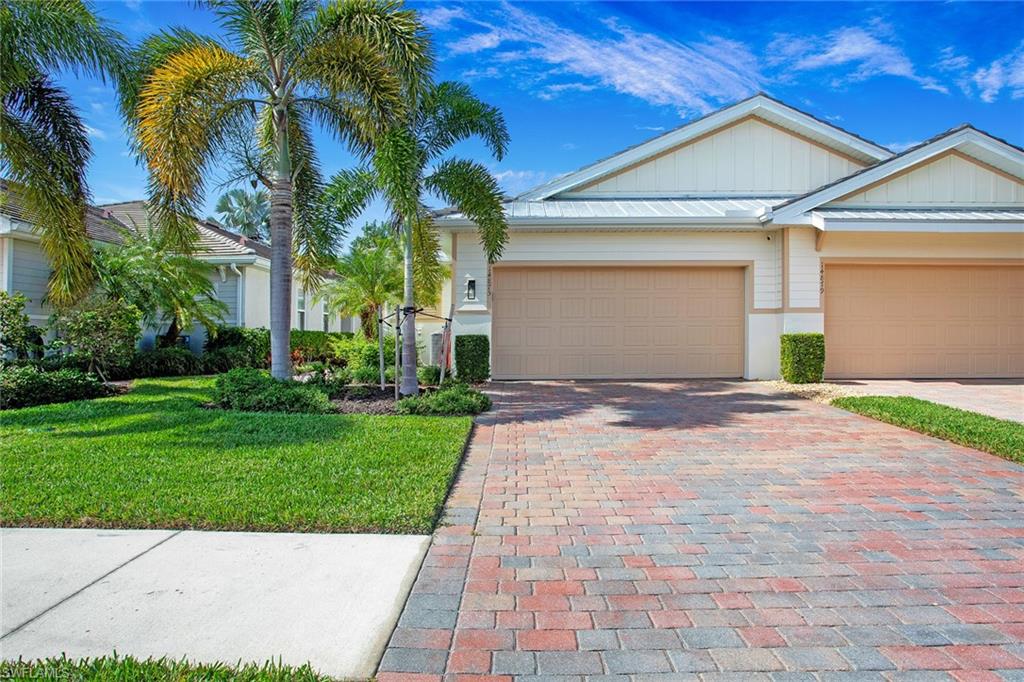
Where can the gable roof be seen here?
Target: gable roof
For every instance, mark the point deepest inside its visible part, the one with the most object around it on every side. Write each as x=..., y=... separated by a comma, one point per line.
x=759, y=105
x=99, y=225
x=214, y=241
x=988, y=149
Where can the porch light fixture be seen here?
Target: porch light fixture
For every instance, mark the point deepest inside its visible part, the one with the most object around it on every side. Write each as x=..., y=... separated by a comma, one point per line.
x=470, y=289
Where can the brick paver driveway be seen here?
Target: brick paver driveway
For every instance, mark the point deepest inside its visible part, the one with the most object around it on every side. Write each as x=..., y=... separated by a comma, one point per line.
x=714, y=527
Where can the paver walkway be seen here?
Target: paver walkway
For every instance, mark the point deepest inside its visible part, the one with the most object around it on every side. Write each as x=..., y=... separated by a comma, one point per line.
x=711, y=528
x=1001, y=398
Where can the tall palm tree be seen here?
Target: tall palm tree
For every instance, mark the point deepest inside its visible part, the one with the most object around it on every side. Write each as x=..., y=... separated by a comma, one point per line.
x=44, y=145
x=406, y=164
x=247, y=213
x=369, y=277
x=286, y=66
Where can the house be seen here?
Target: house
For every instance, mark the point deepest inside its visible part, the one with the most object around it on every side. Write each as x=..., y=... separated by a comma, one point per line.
x=690, y=254
x=241, y=269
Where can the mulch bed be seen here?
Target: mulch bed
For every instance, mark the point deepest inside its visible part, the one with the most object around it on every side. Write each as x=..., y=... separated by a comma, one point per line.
x=368, y=400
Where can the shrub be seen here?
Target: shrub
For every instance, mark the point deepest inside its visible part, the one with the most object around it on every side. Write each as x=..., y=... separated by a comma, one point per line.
x=316, y=346
x=366, y=375
x=253, y=390
x=17, y=333
x=802, y=358
x=333, y=382
x=358, y=351
x=453, y=399
x=249, y=346
x=165, y=362
x=104, y=331
x=26, y=385
x=473, y=357
x=429, y=375
x=232, y=357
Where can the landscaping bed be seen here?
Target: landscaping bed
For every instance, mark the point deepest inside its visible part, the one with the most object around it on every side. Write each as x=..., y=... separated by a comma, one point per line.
x=154, y=458
x=129, y=669
x=982, y=432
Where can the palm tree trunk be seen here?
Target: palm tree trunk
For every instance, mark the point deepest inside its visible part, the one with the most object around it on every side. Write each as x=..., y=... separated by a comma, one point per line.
x=281, y=278
x=410, y=385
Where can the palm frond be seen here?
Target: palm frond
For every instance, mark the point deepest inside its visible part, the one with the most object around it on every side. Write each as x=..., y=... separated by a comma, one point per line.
x=470, y=187
x=397, y=163
x=429, y=273
x=185, y=108
x=394, y=32
x=349, y=192
x=450, y=113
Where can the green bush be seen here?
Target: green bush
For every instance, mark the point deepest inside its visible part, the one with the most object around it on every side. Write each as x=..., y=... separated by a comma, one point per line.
x=473, y=358
x=365, y=375
x=253, y=390
x=242, y=346
x=333, y=382
x=105, y=331
x=802, y=358
x=358, y=351
x=232, y=357
x=17, y=333
x=316, y=346
x=25, y=386
x=429, y=375
x=453, y=399
x=165, y=362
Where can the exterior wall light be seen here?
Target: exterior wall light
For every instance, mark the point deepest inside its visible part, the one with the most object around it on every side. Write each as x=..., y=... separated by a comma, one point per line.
x=470, y=289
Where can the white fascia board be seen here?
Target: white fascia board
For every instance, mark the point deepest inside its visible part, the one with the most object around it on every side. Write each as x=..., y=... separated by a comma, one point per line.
x=227, y=260
x=697, y=128
x=963, y=227
x=883, y=170
x=630, y=224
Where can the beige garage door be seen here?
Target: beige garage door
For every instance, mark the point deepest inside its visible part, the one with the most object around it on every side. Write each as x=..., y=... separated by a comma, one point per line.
x=924, y=321
x=617, y=322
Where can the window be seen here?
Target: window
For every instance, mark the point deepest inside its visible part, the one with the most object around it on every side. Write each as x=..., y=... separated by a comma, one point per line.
x=301, y=307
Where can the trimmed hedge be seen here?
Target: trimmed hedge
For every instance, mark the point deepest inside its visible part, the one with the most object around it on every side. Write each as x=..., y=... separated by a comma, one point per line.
x=253, y=390
x=355, y=352
x=802, y=358
x=451, y=399
x=473, y=358
x=254, y=342
x=165, y=362
x=26, y=386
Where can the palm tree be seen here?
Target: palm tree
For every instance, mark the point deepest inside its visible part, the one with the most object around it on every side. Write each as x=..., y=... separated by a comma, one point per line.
x=346, y=66
x=369, y=277
x=166, y=286
x=44, y=145
x=405, y=164
x=247, y=213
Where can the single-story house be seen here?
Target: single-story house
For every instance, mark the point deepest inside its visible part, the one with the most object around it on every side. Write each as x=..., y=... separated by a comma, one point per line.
x=690, y=254
x=241, y=269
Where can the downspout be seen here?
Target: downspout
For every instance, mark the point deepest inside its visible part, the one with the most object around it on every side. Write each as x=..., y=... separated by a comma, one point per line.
x=240, y=299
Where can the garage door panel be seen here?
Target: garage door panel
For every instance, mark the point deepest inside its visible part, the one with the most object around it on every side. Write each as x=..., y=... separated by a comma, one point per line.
x=924, y=321
x=628, y=322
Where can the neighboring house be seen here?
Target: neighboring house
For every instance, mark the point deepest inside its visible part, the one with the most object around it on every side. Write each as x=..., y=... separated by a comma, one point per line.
x=241, y=269
x=690, y=254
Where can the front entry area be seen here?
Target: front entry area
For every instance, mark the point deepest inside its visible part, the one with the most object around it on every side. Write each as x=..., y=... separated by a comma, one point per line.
x=924, y=321
x=628, y=322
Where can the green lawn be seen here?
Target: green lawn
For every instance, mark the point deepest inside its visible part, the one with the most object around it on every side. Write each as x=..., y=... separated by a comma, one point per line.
x=128, y=669
x=979, y=431
x=155, y=458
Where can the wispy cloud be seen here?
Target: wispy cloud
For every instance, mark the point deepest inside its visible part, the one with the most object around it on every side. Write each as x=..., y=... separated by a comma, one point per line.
x=518, y=181
x=95, y=133
x=1005, y=73
x=694, y=77
x=857, y=53
x=902, y=146
x=650, y=128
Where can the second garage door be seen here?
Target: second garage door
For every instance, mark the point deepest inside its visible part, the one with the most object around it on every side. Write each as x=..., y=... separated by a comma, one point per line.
x=617, y=322
x=924, y=321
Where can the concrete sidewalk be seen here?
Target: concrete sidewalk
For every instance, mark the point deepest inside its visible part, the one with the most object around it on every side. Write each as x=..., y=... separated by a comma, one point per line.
x=330, y=600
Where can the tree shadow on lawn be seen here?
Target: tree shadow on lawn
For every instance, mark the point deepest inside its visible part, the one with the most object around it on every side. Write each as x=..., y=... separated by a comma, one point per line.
x=633, y=404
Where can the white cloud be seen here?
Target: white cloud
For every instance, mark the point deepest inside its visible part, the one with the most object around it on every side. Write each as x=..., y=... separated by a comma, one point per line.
x=440, y=18
x=133, y=5
x=95, y=133
x=518, y=181
x=694, y=77
x=902, y=146
x=651, y=128
x=862, y=53
x=949, y=60
x=552, y=91
x=1005, y=73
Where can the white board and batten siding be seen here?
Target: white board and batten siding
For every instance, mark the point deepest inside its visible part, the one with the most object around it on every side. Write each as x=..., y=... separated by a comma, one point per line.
x=951, y=180
x=749, y=157
x=31, y=276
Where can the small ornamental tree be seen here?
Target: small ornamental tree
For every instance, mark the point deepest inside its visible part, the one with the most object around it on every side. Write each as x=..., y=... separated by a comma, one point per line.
x=16, y=330
x=105, y=331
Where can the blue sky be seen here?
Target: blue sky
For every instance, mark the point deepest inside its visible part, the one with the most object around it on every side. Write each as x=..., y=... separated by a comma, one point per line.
x=580, y=81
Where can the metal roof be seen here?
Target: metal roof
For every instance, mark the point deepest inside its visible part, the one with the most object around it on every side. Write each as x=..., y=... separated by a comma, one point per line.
x=923, y=214
x=740, y=210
